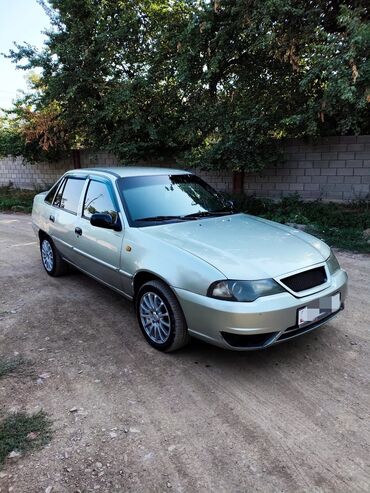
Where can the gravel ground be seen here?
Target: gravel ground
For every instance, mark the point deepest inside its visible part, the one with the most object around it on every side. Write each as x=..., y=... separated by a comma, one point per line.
x=292, y=418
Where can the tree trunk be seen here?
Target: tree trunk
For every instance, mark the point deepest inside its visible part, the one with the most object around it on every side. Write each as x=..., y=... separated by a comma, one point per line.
x=76, y=157
x=238, y=181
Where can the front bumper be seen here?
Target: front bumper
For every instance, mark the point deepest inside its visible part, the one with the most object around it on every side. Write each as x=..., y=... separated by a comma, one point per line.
x=268, y=320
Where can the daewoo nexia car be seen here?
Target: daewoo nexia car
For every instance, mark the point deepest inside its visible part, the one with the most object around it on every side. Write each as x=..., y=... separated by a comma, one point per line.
x=192, y=265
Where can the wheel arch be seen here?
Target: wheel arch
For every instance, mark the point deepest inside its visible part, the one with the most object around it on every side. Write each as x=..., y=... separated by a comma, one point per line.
x=143, y=276
x=42, y=234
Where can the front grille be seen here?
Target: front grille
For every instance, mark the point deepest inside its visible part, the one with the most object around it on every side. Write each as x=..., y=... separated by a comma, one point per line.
x=247, y=340
x=305, y=280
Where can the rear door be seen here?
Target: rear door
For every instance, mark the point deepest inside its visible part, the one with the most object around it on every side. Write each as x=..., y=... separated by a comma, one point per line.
x=99, y=249
x=63, y=214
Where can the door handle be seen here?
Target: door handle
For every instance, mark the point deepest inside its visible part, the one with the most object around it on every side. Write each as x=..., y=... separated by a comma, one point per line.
x=78, y=231
x=52, y=218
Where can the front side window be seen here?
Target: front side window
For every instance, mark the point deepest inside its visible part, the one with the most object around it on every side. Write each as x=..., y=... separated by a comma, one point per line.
x=68, y=196
x=158, y=198
x=98, y=200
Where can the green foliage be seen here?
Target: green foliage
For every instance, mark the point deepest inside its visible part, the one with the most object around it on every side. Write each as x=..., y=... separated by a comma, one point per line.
x=10, y=365
x=30, y=135
x=213, y=84
x=11, y=141
x=340, y=225
x=15, y=199
x=15, y=433
x=347, y=238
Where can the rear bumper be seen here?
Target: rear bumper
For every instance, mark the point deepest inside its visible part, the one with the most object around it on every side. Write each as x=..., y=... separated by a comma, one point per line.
x=245, y=326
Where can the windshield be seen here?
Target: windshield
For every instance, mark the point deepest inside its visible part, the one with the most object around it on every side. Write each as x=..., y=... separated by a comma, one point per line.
x=160, y=198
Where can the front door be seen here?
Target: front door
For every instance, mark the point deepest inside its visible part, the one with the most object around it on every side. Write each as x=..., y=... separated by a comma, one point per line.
x=98, y=250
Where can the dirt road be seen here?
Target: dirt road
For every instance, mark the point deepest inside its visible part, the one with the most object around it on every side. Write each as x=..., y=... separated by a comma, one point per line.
x=288, y=419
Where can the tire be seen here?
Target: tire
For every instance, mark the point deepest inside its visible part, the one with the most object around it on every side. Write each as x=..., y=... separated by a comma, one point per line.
x=160, y=317
x=51, y=259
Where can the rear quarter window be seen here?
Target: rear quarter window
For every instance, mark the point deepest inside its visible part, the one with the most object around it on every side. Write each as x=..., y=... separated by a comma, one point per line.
x=69, y=194
x=51, y=193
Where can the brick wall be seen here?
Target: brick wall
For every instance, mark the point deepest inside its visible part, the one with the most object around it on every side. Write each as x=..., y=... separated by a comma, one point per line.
x=42, y=175
x=332, y=168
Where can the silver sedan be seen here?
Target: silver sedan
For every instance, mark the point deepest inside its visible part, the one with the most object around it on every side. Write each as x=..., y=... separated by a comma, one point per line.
x=192, y=265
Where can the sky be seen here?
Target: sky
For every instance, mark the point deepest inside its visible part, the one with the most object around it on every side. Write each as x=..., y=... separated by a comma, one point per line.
x=20, y=20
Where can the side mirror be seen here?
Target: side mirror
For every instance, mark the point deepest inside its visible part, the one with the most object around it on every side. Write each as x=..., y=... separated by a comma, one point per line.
x=102, y=220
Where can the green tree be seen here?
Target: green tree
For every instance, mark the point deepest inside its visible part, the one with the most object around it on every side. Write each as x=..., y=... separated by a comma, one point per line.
x=34, y=133
x=211, y=83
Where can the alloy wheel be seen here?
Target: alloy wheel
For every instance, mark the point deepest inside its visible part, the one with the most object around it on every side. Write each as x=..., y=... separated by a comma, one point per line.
x=47, y=255
x=155, y=317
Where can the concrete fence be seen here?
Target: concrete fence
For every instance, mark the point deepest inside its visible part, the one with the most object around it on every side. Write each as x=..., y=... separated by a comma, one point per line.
x=332, y=168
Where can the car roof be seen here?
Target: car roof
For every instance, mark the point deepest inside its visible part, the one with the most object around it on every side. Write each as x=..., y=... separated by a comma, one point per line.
x=125, y=171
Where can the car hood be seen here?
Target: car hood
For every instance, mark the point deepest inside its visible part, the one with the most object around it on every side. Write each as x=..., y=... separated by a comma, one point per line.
x=241, y=246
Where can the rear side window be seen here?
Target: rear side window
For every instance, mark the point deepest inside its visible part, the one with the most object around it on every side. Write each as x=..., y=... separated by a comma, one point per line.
x=98, y=199
x=50, y=195
x=68, y=195
x=58, y=196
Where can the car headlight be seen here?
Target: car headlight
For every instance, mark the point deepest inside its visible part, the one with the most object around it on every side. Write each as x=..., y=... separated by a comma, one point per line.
x=332, y=263
x=244, y=290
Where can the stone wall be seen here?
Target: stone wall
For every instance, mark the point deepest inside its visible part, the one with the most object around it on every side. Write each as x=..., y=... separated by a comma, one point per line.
x=42, y=175
x=332, y=168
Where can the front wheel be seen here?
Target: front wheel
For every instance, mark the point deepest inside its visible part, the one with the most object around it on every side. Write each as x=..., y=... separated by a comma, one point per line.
x=51, y=259
x=160, y=317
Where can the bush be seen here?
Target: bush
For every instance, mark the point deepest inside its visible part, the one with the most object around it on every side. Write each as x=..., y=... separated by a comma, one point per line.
x=16, y=199
x=340, y=225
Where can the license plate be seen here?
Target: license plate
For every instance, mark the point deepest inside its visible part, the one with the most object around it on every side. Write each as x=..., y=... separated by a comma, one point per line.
x=318, y=309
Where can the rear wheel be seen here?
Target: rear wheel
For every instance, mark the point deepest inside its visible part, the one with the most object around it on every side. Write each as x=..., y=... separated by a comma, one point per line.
x=160, y=317
x=51, y=259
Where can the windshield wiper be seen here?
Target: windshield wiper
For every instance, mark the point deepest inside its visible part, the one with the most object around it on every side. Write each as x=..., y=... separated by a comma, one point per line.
x=194, y=215
x=162, y=218
x=208, y=214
